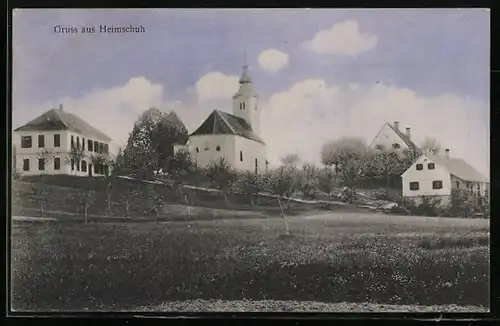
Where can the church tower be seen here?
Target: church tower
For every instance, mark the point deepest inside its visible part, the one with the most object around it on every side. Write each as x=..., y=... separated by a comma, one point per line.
x=245, y=103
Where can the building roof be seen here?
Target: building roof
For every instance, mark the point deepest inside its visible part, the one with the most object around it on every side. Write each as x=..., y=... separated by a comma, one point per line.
x=223, y=123
x=411, y=145
x=57, y=119
x=459, y=168
x=245, y=77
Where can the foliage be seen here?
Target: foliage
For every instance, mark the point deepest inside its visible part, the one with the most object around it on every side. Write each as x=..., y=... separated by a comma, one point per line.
x=327, y=180
x=102, y=160
x=150, y=144
x=251, y=184
x=308, y=180
x=290, y=159
x=235, y=260
x=283, y=181
x=76, y=153
x=180, y=165
x=431, y=146
x=221, y=175
x=119, y=164
x=46, y=155
x=154, y=201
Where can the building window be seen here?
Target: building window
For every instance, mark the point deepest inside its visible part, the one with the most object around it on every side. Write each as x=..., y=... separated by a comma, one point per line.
x=106, y=149
x=106, y=170
x=72, y=141
x=41, y=164
x=78, y=165
x=197, y=149
x=26, y=142
x=84, y=166
x=437, y=184
x=26, y=164
x=241, y=156
x=458, y=184
x=83, y=144
x=41, y=141
x=217, y=148
x=96, y=147
x=414, y=186
x=77, y=141
x=101, y=148
x=72, y=165
x=57, y=163
x=420, y=167
x=431, y=166
x=380, y=147
x=57, y=140
x=256, y=166
x=89, y=145
x=396, y=146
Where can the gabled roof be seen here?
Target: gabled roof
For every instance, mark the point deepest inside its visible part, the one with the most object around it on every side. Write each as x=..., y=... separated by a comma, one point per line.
x=403, y=137
x=57, y=119
x=459, y=168
x=223, y=123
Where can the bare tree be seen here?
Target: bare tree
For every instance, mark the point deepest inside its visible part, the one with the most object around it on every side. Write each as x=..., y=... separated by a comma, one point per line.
x=76, y=154
x=47, y=156
x=431, y=145
x=42, y=194
x=88, y=200
x=291, y=159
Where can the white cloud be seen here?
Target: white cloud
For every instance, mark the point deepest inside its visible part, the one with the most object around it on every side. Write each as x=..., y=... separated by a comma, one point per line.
x=302, y=118
x=299, y=119
x=272, y=60
x=342, y=39
x=216, y=85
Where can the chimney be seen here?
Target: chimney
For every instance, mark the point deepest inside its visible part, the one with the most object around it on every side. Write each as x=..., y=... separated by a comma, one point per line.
x=60, y=107
x=447, y=153
x=408, y=132
x=396, y=125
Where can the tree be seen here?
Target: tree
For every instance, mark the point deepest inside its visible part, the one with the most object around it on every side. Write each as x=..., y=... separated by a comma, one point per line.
x=222, y=176
x=180, y=165
x=349, y=156
x=431, y=146
x=88, y=200
x=251, y=184
x=327, y=180
x=290, y=159
x=154, y=201
x=76, y=154
x=283, y=182
x=47, y=156
x=119, y=166
x=307, y=180
x=150, y=143
x=102, y=162
x=42, y=194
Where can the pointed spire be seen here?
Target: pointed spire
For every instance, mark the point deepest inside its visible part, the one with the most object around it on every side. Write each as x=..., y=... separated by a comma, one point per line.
x=245, y=77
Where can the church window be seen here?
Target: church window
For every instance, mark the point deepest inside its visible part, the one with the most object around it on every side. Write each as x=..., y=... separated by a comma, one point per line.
x=241, y=156
x=243, y=105
x=396, y=146
x=197, y=149
x=217, y=148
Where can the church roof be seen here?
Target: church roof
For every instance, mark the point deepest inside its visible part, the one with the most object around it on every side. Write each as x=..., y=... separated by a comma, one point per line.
x=245, y=77
x=223, y=123
x=57, y=119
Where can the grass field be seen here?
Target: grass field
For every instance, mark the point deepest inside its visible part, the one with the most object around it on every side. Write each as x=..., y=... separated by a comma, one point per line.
x=351, y=260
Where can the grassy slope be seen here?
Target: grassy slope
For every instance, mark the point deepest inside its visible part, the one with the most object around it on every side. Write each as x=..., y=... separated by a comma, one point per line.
x=356, y=258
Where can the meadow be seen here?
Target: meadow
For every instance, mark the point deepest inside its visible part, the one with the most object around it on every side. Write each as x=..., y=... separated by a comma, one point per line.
x=332, y=258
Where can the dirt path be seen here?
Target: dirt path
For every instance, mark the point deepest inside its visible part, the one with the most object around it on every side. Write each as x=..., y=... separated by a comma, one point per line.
x=298, y=306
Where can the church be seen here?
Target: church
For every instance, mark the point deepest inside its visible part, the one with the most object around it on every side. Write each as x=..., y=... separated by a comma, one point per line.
x=234, y=137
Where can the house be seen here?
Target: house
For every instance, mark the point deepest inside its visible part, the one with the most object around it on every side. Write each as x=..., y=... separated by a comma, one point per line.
x=391, y=138
x=233, y=137
x=437, y=176
x=47, y=145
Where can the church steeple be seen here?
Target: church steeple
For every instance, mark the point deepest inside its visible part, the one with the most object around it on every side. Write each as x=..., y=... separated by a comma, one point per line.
x=245, y=101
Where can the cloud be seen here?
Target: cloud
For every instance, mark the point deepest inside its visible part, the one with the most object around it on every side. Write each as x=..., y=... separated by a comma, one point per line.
x=299, y=119
x=342, y=39
x=272, y=60
x=216, y=85
x=302, y=118
x=112, y=111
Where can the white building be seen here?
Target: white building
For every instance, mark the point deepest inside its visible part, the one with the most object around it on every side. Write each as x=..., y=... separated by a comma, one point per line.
x=437, y=176
x=43, y=145
x=234, y=137
x=391, y=138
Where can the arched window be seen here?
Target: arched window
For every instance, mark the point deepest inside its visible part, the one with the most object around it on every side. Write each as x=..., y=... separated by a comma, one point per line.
x=243, y=105
x=241, y=156
x=197, y=149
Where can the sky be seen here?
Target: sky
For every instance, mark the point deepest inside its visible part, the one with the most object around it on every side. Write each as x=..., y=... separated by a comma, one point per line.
x=321, y=74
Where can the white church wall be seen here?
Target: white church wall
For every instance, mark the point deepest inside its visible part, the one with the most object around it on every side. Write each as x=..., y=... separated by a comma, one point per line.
x=251, y=150
x=207, y=148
